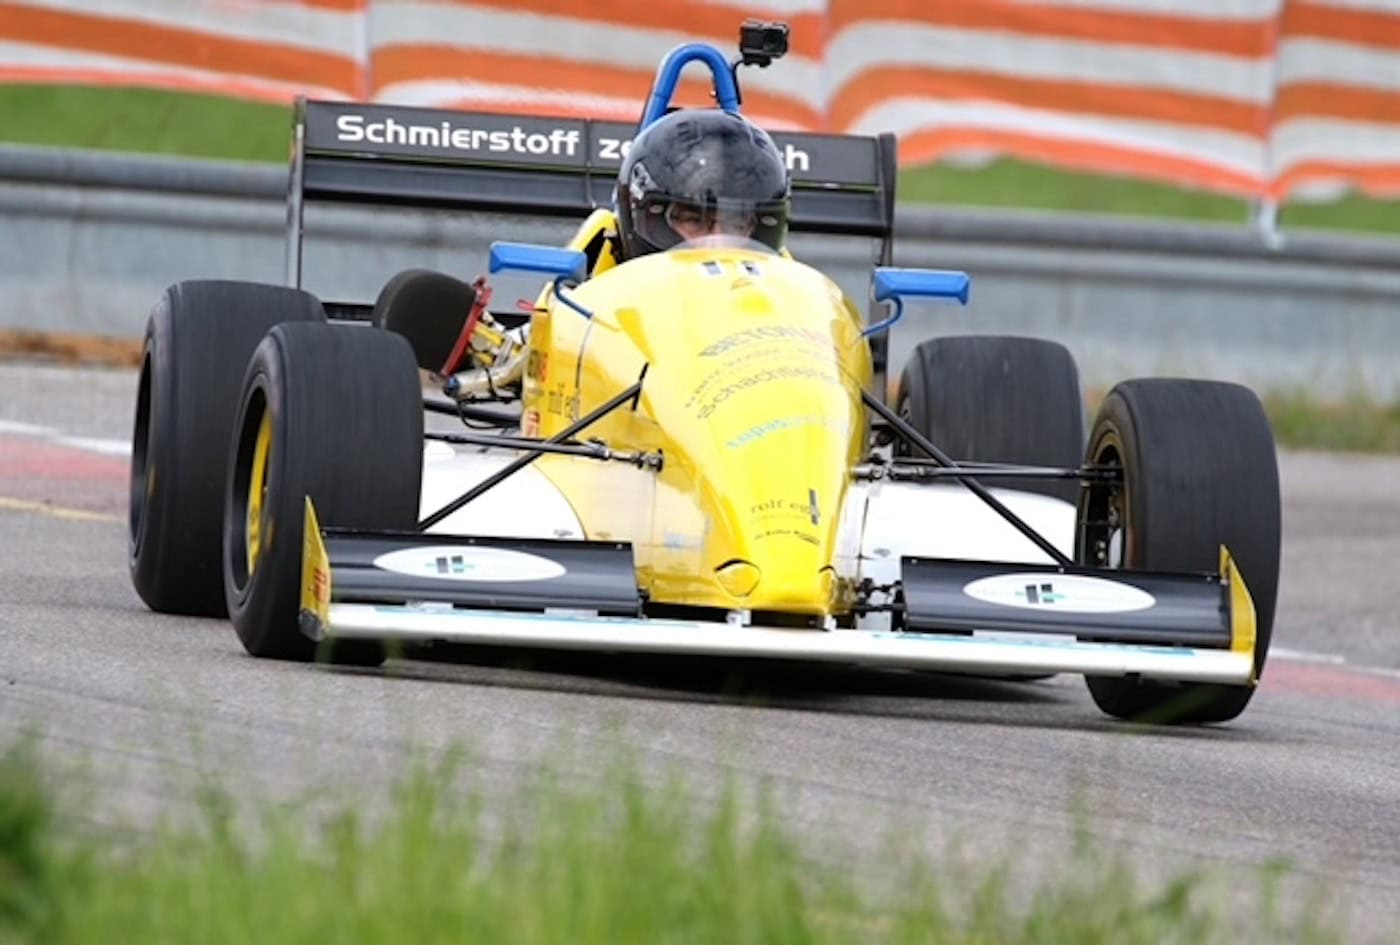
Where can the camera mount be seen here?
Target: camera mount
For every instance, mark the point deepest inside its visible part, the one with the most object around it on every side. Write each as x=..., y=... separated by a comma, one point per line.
x=760, y=42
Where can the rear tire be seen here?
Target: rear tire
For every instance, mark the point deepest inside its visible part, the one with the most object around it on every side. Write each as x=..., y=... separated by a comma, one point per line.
x=343, y=411
x=429, y=309
x=998, y=399
x=198, y=341
x=1199, y=470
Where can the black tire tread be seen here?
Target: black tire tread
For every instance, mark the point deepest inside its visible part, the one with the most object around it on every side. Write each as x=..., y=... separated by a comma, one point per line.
x=1203, y=471
x=198, y=340
x=348, y=432
x=999, y=399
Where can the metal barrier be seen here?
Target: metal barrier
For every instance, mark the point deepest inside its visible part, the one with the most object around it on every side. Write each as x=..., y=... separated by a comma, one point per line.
x=90, y=239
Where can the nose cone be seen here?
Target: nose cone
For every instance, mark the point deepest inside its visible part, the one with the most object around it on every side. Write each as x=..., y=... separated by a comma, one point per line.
x=756, y=370
x=776, y=496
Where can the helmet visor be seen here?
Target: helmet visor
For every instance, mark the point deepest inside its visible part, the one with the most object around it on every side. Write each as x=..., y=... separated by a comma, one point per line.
x=667, y=221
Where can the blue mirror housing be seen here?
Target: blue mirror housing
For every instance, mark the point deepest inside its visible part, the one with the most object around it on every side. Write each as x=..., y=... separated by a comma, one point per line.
x=895, y=285
x=546, y=260
x=891, y=283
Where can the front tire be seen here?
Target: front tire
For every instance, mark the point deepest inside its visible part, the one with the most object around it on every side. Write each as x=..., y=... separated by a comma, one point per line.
x=198, y=340
x=1199, y=470
x=333, y=413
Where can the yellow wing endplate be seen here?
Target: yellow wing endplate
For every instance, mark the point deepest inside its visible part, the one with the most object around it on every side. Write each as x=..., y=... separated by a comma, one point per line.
x=315, y=571
x=1243, y=629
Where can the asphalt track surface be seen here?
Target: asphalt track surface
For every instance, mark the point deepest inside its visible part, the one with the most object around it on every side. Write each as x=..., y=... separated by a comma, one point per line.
x=982, y=770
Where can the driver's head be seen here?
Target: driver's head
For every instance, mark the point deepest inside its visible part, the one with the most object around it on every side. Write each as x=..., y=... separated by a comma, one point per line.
x=701, y=172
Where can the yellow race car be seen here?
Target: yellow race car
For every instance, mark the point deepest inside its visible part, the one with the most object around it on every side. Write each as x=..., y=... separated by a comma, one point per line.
x=685, y=445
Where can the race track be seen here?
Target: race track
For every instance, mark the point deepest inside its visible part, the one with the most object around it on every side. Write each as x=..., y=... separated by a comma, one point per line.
x=1310, y=773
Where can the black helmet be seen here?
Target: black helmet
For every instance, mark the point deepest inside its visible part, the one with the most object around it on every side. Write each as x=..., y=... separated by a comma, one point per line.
x=700, y=171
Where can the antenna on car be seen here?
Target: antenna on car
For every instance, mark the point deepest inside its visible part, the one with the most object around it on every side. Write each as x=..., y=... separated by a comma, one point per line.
x=760, y=43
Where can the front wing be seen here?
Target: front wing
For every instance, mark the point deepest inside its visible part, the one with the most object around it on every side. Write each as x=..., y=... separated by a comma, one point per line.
x=999, y=618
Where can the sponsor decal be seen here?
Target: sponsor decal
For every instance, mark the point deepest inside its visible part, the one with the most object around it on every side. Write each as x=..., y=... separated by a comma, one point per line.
x=559, y=142
x=320, y=587
x=776, y=425
x=760, y=378
x=1066, y=593
x=679, y=541
x=766, y=333
x=788, y=533
x=1044, y=642
x=469, y=563
x=779, y=508
x=769, y=355
x=561, y=403
x=712, y=267
x=610, y=149
x=448, y=135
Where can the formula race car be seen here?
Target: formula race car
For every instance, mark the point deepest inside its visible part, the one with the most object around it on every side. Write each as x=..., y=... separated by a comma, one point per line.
x=686, y=445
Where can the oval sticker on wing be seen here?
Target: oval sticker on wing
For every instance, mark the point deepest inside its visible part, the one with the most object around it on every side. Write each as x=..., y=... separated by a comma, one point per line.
x=469, y=563
x=1069, y=593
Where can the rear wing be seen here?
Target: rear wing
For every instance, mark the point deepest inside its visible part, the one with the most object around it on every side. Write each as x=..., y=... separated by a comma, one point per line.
x=559, y=167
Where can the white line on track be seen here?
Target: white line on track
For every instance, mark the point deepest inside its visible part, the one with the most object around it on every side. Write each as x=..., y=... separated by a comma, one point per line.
x=1329, y=659
x=1306, y=656
x=93, y=444
x=26, y=429
x=88, y=444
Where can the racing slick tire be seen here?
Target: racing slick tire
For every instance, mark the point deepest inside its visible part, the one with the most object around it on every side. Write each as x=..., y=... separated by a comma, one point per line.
x=198, y=340
x=329, y=412
x=1199, y=470
x=429, y=309
x=998, y=399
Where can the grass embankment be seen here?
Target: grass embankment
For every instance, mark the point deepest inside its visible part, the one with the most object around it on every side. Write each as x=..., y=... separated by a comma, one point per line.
x=146, y=120
x=1357, y=426
x=615, y=864
x=211, y=126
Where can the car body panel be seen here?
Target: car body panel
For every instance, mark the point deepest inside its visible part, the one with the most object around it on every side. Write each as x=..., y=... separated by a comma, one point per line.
x=755, y=366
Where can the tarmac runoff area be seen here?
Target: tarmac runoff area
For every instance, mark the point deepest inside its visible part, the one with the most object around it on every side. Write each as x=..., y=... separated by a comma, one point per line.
x=1310, y=774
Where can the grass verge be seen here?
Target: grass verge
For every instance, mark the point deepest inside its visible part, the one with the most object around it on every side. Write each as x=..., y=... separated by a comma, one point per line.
x=212, y=126
x=146, y=120
x=1357, y=426
x=615, y=864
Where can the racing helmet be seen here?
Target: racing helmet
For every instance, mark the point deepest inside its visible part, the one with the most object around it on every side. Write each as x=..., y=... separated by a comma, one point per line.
x=697, y=172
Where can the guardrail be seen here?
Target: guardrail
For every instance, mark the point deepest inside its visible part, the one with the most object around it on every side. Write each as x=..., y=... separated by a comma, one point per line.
x=91, y=238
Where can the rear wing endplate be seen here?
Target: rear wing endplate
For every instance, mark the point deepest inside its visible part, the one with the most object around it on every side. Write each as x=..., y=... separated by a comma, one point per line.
x=560, y=167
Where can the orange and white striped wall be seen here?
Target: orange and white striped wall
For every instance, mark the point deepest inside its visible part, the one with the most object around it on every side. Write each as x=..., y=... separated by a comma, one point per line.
x=1260, y=98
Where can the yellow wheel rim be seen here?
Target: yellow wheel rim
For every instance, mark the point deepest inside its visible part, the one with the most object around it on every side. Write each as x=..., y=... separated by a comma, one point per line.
x=257, y=491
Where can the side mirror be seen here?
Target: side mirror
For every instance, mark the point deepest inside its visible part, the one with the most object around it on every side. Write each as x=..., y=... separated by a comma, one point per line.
x=891, y=283
x=546, y=260
x=895, y=285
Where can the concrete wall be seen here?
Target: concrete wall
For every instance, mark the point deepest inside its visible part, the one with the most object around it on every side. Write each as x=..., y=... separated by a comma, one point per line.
x=89, y=241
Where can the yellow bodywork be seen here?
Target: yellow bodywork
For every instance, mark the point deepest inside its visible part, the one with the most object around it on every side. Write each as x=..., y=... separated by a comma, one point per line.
x=755, y=367
x=315, y=569
x=1243, y=629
